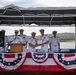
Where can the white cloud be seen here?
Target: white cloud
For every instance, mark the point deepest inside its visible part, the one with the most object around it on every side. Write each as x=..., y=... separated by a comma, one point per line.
x=39, y=3
x=10, y=1
x=56, y=2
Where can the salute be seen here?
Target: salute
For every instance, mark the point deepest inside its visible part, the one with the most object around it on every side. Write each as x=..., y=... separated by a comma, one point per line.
x=45, y=41
x=32, y=43
x=54, y=42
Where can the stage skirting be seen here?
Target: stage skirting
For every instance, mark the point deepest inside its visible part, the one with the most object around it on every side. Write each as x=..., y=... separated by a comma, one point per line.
x=30, y=61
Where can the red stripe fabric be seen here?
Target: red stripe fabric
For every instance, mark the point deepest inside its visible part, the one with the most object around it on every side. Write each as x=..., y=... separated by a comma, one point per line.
x=42, y=68
x=9, y=55
x=69, y=55
x=39, y=54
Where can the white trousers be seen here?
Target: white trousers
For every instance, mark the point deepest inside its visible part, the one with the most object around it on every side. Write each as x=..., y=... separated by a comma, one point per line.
x=55, y=49
x=24, y=49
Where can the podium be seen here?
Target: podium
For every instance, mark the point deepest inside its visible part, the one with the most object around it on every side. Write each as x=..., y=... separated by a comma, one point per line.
x=16, y=47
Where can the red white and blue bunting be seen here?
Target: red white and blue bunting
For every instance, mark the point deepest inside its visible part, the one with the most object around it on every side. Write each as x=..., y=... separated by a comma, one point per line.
x=66, y=61
x=39, y=58
x=45, y=61
x=11, y=61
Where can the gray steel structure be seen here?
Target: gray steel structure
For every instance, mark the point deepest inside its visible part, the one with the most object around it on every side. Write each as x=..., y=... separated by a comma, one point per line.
x=12, y=14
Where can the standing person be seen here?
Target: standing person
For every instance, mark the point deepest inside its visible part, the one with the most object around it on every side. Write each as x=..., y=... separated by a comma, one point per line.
x=45, y=41
x=15, y=38
x=6, y=43
x=54, y=42
x=32, y=43
x=24, y=38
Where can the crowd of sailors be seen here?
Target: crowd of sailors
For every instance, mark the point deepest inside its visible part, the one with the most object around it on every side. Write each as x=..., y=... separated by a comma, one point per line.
x=30, y=44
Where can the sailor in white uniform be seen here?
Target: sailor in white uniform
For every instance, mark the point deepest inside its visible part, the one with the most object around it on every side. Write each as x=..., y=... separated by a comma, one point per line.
x=32, y=43
x=15, y=38
x=6, y=43
x=54, y=42
x=24, y=38
x=45, y=41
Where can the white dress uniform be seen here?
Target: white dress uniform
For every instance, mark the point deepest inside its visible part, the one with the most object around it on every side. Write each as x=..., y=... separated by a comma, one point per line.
x=32, y=41
x=16, y=39
x=6, y=43
x=44, y=39
x=24, y=40
x=54, y=43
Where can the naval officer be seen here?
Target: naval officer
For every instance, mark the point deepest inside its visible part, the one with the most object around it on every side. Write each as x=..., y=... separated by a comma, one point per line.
x=45, y=41
x=24, y=38
x=32, y=43
x=15, y=38
x=54, y=42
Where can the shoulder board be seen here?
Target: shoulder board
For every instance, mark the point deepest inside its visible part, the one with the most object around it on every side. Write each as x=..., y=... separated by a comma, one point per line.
x=29, y=38
x=51, y=37
x=46, y=35
x=24, y=35
x=57, y=37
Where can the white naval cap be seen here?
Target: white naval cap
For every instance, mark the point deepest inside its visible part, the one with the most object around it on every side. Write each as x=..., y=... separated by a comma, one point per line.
x=54, y=32
x=33, y=33
x=41, y=30
x=16, y=30
x=21, y=30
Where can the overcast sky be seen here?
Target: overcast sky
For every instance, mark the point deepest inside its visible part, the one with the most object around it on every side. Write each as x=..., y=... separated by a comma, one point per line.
x=27, y=30
x=39, y=3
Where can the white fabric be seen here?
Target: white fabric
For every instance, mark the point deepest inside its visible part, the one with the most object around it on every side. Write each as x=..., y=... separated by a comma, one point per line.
x=6, y=40
x=54, y=43
x=32, y=41
x=6, y=43
x=24, y=40
x=16, y=39
x=1, y=49
x=19, y=39
x=45, y=46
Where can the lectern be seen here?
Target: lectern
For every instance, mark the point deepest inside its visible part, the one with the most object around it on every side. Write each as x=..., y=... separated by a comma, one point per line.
x=16, y=47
